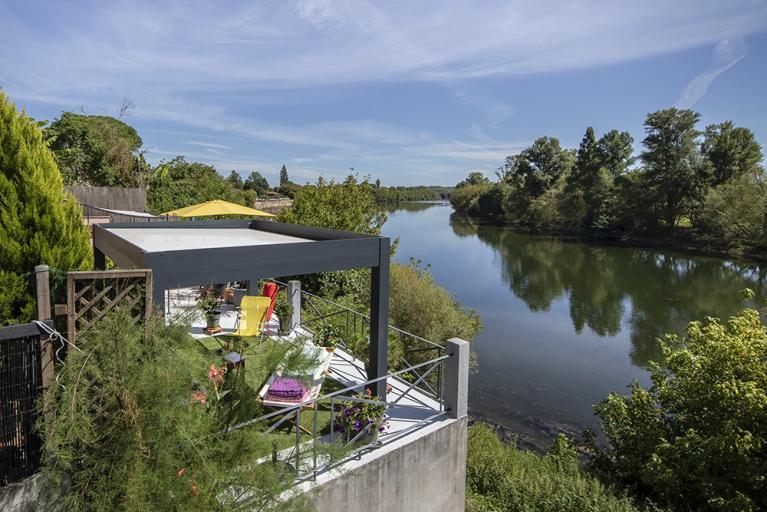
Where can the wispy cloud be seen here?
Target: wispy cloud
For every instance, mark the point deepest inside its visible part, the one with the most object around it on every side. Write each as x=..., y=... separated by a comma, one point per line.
x=727, y=53
x=209, y=145
x=219, y=78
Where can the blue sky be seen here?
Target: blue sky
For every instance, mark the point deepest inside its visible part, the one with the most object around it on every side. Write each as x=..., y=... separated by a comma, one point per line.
x=411, y=92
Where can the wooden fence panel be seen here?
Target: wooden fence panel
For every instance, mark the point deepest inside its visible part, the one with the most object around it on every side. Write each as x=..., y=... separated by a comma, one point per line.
x=93, y=294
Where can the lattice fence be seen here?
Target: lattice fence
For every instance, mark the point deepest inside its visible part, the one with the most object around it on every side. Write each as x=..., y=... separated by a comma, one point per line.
x=91, y=295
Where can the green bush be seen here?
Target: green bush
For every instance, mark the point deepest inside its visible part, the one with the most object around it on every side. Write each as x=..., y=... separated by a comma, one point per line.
x=500, y=478
x=697, y=439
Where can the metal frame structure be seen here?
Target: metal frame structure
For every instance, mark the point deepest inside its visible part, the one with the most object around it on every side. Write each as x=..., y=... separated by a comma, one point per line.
x=328, y=250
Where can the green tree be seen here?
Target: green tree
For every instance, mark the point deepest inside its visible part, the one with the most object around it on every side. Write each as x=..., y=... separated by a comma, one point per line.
x=97, y=150
x=475, y=178
x=349, y=206
x=235, y=180
x=731, y=152
x=616, y=152
x=734, y=213
x=696, y=439
x=584, y=186
x=39, y=222
x=539, y=167
x=256, y=182
x=284, y=179
x=674, y=175
x=179, y=183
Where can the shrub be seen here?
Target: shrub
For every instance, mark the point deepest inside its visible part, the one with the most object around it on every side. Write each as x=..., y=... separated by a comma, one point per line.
x=39, y=221
x=422, y=307
x=697, y=439
x=500, y=478
x=137, y=423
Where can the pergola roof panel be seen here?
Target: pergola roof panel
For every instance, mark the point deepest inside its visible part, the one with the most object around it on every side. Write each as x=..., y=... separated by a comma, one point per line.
x=180, y=239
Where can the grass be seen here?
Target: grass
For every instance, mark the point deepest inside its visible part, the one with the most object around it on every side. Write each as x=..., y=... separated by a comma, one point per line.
x=501, y=478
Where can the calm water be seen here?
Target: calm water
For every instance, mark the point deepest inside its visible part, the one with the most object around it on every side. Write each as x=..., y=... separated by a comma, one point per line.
x=565, y=323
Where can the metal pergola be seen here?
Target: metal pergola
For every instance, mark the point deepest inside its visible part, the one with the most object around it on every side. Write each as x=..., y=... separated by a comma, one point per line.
x=190, y=253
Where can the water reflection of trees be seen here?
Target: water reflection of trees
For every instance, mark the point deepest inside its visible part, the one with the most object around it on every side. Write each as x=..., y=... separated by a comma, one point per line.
x=651, y=292
x=411, y=206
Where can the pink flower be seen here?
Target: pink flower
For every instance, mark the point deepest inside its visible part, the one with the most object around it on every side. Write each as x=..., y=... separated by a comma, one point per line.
x=199, y=396
x=181, y=472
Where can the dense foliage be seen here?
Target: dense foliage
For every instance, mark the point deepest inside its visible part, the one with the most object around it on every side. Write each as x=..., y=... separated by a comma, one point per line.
x=97, y=150
x=420, y=193
x=179, y=183
x=348, y=206
x=501, y=478
x=137, y=421
x=39, y=222
x=702, y=187
x=697, y=439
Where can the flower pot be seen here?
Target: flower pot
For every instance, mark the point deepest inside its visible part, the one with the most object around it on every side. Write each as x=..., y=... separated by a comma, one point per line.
x=285, y=326
x=213, y=320
x=330, y=349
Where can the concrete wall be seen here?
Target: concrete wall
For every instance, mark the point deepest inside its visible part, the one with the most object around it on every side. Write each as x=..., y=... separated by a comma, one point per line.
x=426, y=475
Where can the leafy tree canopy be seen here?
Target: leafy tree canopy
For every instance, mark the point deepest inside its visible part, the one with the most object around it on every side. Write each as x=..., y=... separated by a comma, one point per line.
x=731, y=152
x=235, y=180
x=179, y=183
x=349, y=206
x=696, y=439
x=539, y=167
x=256, y=182
x=97, y=150
x=673, y=172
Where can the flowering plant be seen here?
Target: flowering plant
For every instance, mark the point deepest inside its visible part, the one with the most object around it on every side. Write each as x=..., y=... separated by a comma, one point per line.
x=361, y=414
x=326, y=336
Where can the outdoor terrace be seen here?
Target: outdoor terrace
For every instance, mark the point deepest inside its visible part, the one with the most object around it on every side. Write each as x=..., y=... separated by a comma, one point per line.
x=414, y=406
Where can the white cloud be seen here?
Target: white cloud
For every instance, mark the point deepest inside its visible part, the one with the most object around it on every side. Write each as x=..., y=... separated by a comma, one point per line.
x=727, y=53
x=186, y=64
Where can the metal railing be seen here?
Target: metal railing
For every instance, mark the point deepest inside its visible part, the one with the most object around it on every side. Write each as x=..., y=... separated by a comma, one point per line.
x=353, y=329
x=323, y=448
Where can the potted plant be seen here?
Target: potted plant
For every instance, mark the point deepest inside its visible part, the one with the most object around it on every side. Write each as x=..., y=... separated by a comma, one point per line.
x=326, y=337
x=362, y=418
x=284, y=311
x=210, y=305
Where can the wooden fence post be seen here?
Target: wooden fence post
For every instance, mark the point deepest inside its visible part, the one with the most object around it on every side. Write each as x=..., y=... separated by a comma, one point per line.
x=42, y=283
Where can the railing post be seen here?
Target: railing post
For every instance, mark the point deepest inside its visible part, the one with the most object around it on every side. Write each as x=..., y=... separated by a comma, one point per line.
x=294, y=297
x=42, y=283
x=456, y=378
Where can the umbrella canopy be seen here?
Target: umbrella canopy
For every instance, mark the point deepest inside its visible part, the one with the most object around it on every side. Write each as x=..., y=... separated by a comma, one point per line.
x=217, y=207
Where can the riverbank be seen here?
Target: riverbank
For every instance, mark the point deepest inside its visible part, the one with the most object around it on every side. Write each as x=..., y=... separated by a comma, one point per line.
x=680, y=242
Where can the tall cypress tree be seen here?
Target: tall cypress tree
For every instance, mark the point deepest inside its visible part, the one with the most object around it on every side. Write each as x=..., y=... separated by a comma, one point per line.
x=39, y=221
x=284, y=175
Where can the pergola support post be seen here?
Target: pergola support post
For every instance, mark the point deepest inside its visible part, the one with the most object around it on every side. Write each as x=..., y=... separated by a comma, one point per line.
x=379, y=319
x=294, y=298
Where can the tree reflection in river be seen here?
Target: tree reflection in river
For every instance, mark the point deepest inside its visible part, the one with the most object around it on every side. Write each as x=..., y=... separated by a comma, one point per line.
x=649, y=291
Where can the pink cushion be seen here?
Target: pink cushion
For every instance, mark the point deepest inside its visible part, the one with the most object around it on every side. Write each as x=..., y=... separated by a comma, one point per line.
x=270, y=290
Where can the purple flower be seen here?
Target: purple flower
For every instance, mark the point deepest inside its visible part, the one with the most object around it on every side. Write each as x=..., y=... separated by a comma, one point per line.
x=357, y=425
x=381, y=428
x=341, y=429
x=370, y=421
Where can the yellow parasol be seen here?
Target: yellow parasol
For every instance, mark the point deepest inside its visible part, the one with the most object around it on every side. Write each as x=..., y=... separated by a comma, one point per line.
x=217, y=207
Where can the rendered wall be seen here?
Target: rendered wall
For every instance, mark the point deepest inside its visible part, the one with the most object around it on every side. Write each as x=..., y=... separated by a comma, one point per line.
x=427, y=475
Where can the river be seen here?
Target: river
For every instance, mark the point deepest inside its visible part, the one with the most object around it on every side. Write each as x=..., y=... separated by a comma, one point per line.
x=564, y=323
